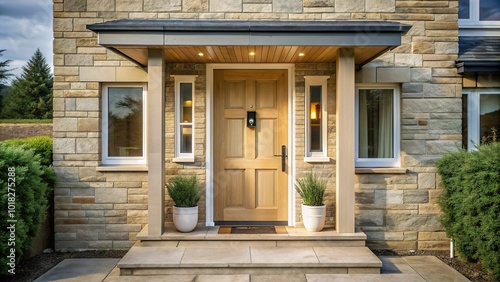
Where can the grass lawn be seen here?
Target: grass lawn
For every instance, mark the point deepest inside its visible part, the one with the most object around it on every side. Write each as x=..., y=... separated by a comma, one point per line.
x=25, y=120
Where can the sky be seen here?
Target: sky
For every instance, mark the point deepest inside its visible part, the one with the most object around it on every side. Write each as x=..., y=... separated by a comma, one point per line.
x=25, y=25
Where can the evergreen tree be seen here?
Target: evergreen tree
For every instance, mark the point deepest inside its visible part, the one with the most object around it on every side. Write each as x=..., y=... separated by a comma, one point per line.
x=31, y=94
x=4, y=70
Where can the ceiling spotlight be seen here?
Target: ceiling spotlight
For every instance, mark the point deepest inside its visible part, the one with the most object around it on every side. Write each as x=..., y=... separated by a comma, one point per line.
x=301, y=54
x=201, y=54
x=252, y=53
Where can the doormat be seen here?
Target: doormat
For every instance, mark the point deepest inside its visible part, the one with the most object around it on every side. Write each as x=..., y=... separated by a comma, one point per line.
x=252, y=230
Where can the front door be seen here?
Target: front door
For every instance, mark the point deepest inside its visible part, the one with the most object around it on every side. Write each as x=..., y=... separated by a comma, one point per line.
x=250, y=185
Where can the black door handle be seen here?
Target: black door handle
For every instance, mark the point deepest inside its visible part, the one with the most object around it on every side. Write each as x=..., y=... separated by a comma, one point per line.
x=283, y=158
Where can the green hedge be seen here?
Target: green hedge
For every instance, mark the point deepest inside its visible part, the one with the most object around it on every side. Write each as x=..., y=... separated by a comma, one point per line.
x=471, y=203
x=42, y=145
x=26, y=184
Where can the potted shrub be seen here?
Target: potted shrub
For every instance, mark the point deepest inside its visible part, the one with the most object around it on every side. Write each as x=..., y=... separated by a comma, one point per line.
x=312, y=190
x=185, y=193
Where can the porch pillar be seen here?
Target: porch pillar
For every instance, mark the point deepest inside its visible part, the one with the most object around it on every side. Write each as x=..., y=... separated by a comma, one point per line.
x=155, y=113
x=345, y=111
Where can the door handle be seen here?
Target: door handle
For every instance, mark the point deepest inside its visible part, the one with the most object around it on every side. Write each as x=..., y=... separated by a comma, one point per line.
x=283, y=158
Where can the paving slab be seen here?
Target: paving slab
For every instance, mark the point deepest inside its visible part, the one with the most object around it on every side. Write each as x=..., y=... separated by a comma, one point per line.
x=152, y=257
x=283, y=256
x=77, y=270
x=357, y=256
x=215, y=257
x=433, y=269
x=364, y=278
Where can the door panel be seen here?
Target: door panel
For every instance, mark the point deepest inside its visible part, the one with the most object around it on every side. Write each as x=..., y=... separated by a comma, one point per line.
x=249, y=185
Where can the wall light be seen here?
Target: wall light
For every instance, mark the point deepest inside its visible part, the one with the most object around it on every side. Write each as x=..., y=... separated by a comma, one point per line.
x=252, y=53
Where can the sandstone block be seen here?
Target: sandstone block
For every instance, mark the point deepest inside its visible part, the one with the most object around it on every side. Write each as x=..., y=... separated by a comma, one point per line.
x=64, y=45
x=413, y=147
x=162, y=5
x=101, y=5
x=80, y=24
x=432, y=105
x=319, y=3
x=226, y=5
x=287, y=6
x=64, y=146
x=75, y=5
x=194, y=6
x=442, y=146
x=123, y=228
x=78, y=60
x=257, y=8
x=375, y=6
x=349, y=6
x=370, y=217
x=446, y=47
x=110, y=195
x=408, y=60
x=88, y=124
x=129, y=5
x=65, y=124
x=422, y=48
x=63, y=24
x=426, y=180
x=87, y=104
x=379, y=236
x=429, y=209
x=415, y=197
x=388, y=197
x=416, y=222
x=421, y=74
x=66, y=71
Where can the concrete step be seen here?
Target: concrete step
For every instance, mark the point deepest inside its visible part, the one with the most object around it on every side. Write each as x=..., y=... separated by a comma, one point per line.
x=240, y=257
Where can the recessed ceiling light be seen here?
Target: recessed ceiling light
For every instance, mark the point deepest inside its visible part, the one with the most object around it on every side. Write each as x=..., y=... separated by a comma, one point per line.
x=301, y=54
x=252, y=53
x=201, y=54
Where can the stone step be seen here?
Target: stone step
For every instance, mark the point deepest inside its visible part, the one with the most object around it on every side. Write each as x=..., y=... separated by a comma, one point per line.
x=157, y=258
x=295, y=236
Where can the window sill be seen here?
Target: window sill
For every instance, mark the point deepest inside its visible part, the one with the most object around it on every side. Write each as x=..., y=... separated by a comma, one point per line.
x=317, y=159
x=381, y=170
x=183, y=160
x=122, y=168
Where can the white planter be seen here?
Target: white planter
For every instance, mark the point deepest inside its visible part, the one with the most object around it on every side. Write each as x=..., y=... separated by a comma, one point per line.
x=185, y=219
x=313, y=217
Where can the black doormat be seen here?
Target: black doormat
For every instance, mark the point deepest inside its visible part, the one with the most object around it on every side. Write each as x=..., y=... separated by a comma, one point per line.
x=252, y=230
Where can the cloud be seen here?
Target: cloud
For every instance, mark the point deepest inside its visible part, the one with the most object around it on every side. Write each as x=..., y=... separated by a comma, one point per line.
x=26, y=26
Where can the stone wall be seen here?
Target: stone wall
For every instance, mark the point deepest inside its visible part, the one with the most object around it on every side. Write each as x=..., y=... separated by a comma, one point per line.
x=106, y=210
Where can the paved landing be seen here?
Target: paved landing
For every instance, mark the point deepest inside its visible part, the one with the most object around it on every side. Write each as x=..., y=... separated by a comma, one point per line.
x=395, y=269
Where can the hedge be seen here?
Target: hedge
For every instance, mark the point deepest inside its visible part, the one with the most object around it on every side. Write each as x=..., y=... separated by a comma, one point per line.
x=471, y=203
x=25, y=187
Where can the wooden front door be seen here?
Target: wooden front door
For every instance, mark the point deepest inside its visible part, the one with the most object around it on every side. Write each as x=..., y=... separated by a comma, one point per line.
x=249, y=184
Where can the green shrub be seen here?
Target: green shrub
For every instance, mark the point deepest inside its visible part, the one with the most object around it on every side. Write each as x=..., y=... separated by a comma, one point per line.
x=471, y=203
x=311, y=189
x=184, y=191
x=20, y=169
x=42, y=145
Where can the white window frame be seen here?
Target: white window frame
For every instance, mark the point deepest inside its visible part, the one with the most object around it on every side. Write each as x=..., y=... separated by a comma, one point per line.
x=473, y=114
x=316, y=156
x=473, y=21
x=107, y=160
x=183, y=157
x=380, y=162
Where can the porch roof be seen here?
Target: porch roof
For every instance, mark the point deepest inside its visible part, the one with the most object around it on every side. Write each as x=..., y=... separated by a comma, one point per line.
x=228, y=41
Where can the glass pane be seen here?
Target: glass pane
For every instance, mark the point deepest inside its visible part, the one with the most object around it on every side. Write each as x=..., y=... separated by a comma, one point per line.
x=464, y=9
x=186, y=103
x=490, y=117
x=376, y=123
x=186, y=139
x=489, y=10
x=315, y=116
x=125, y=122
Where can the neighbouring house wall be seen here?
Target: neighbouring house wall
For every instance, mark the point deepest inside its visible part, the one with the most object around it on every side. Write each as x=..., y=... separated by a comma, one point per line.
x=106, y=210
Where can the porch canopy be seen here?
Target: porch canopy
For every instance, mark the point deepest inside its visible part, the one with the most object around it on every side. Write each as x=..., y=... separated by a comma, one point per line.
x=225, y=41
x=152, y=43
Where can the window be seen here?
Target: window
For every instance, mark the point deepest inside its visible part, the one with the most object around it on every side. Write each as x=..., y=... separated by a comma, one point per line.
x=184, y=118
x=123, y=124
x=479, y=13
x=316, y=118
x=377, y=126
x=483, y=116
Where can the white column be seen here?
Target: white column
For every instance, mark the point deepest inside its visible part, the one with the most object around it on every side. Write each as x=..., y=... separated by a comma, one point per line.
x=156, y=142
x=345, y=111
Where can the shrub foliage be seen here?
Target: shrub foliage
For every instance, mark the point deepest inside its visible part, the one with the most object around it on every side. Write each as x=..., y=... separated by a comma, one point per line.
x=29, y=194
x=41, y=145
x=471, y=203
x=184, y=191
